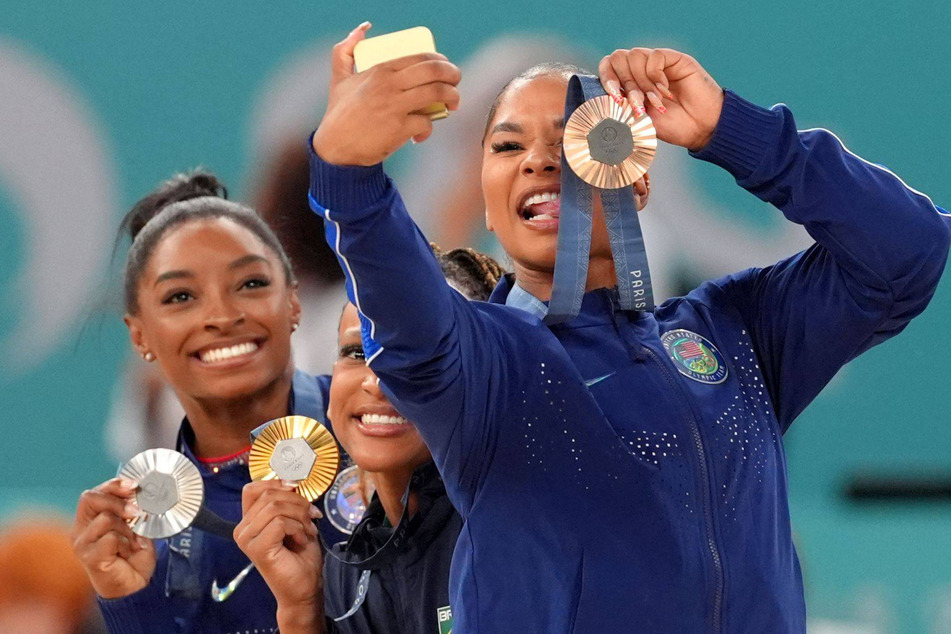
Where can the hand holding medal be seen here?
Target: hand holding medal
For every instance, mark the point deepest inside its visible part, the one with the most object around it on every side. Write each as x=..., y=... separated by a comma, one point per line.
x=681, y=97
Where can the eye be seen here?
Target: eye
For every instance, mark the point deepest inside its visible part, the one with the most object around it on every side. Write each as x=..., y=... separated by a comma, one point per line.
x=177, y=297
x=352, y=351
x=256, y=282
x=505, y=146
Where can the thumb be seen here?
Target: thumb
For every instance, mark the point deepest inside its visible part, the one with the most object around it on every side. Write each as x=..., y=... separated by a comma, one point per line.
x=342, y=64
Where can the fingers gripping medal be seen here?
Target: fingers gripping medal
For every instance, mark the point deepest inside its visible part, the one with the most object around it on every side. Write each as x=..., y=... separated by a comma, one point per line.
x=169, y=492
x=297, y=449
x=606, y=149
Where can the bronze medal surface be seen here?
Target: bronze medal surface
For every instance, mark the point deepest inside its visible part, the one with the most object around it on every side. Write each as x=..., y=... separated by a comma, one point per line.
x=606, y=146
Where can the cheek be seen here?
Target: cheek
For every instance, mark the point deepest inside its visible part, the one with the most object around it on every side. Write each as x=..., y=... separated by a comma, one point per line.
x=497, y=189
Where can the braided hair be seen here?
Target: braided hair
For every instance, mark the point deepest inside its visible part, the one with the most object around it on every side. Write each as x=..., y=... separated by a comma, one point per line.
x=475, y=274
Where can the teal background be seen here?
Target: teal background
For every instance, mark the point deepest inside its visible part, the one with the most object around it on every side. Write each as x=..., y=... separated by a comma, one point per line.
x=170, y=84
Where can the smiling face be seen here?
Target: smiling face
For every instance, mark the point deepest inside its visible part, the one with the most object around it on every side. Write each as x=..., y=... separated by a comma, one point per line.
x=521, y=170
x=216, y=310
x=364, y=422
x=521, y=175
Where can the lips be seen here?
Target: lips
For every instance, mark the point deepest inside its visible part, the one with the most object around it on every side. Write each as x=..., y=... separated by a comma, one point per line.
x=540, y=207
x=382, y=424
x=227, y=353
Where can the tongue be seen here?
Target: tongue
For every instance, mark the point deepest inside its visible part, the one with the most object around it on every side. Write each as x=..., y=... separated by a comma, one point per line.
x=551, y=208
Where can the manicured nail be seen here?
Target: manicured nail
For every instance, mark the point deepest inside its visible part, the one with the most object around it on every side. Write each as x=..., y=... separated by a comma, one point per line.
x=656, y=102
x=665, y=92
x=639, y=110
x=315, y=512
x=130, y=510
x=614, y=89
x=127, y=484
x=288, y=484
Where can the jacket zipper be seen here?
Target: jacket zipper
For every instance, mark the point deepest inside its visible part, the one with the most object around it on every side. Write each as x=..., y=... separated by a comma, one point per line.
x=705, y=488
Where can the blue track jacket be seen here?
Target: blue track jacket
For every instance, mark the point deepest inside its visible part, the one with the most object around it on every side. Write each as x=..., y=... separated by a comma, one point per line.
x=609, y=484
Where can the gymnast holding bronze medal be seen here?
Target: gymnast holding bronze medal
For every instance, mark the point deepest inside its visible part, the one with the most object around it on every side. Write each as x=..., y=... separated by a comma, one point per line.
x=571, y=395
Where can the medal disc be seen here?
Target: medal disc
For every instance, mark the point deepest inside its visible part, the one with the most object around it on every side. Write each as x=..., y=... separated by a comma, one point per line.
x=298, y=449
x=169, y=492
x=345, y=502
x=606, y=146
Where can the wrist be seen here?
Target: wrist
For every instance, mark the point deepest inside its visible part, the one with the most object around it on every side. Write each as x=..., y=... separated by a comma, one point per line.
x=301, y=616
x=713, y=120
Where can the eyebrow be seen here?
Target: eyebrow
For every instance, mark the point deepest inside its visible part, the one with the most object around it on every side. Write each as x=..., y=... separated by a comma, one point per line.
x=181, y=273
x=172, y=275
x=511, y=126
x=247, y=259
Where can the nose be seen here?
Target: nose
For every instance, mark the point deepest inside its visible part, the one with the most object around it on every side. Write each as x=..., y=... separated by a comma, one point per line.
x=542, y=158
x=371, y=385
x=222, y=315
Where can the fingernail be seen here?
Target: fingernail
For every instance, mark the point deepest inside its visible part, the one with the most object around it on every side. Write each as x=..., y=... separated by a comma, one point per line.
x=127, y=484
x=414, y=141
x=315, y=512
x=639, y=110
x=364, y=25
x=613, y=88
x=311, y=528
x=142, y=542
x=288, y=484
x=666, y=92
x=662, y=109
x=130, y=509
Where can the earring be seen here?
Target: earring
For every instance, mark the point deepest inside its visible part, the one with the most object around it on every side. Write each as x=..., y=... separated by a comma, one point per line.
x=294, y=327
x=148, y=356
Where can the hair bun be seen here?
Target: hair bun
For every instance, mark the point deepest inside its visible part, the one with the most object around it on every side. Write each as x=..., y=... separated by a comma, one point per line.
x=194, y=184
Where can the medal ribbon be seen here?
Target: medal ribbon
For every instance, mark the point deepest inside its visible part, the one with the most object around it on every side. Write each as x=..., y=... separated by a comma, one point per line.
x=574, y=232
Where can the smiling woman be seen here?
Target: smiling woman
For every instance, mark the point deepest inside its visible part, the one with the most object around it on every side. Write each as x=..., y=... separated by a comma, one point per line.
x=211, y=298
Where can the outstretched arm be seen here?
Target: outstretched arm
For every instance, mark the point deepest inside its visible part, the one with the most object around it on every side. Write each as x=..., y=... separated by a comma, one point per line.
x=881, y=248
x=881, y=245
x=422, y=338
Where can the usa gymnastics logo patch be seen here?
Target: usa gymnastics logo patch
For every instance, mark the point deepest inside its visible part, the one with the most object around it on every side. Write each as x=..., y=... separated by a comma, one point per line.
x=694, y=356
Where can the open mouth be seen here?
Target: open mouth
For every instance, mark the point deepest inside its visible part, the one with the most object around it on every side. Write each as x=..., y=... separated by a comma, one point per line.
x=218, y=354
x=382, y=425
x=540, y=208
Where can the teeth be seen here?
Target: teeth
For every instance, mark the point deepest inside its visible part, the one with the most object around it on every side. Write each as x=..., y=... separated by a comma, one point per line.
x=541, y=198
x=377, y=419
x=220, y=354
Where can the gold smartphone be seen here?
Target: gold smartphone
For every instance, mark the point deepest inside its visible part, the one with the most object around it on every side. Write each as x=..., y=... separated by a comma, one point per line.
x=383, y=48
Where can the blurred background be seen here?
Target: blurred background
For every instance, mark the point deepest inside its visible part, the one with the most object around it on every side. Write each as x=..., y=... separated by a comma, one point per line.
x=100, y=101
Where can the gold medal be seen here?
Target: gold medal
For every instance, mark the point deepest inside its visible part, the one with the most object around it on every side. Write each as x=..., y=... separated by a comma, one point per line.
x=169, y=492
x=297, y=449
x=606, y=146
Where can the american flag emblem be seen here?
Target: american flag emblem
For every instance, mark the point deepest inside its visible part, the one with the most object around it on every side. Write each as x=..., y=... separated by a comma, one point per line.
x=695, y=357
x=690, y=350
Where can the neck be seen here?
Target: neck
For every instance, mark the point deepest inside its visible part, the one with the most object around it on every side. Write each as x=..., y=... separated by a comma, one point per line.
x=223, y=427
x=601, y=274
x=390, y=486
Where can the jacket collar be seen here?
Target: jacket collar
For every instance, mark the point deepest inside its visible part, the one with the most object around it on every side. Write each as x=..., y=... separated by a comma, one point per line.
x=597, y=306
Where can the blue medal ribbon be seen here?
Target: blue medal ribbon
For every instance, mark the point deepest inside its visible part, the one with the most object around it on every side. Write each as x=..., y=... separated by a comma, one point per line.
x=574, y=232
